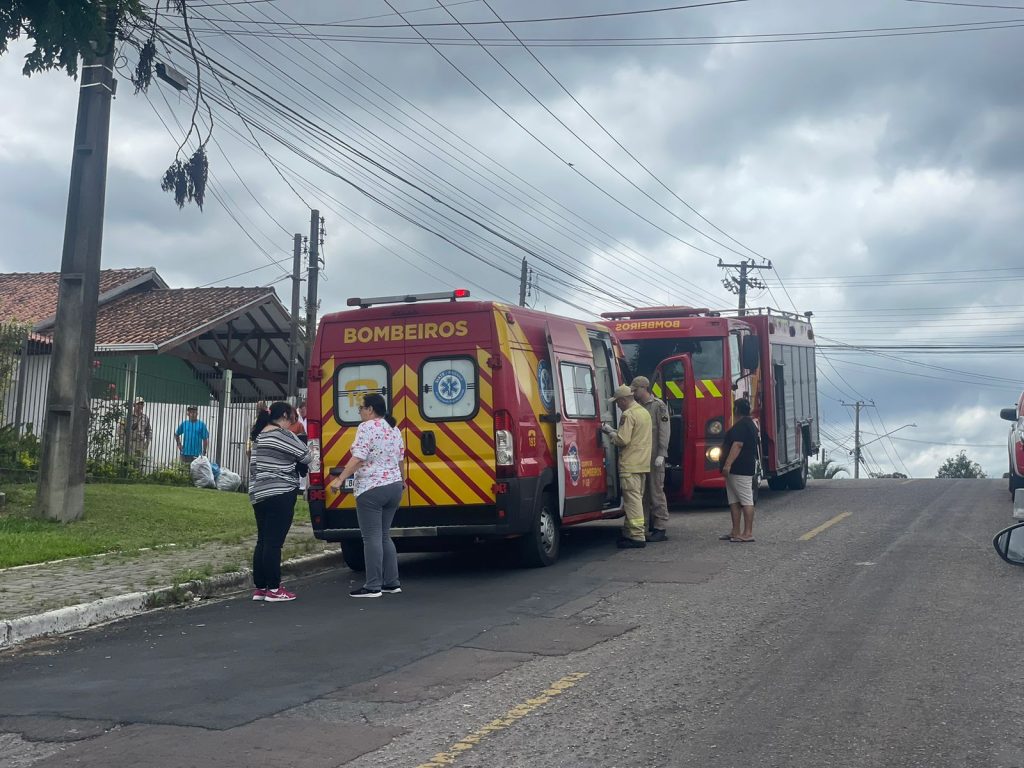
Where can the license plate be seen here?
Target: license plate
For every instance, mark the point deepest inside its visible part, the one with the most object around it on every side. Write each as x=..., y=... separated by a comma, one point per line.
x=349, y=484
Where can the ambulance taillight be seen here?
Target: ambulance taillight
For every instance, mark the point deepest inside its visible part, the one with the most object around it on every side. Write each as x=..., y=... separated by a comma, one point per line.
x=504, y=444
x=316, y=473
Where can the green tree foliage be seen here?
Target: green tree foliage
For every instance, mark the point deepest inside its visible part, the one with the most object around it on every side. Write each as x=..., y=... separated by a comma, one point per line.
x=826, y=470
x=63, y=30
x=960, y=466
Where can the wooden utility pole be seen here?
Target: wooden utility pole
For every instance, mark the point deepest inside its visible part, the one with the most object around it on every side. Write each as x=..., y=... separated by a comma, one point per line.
x=293, y=338
x=856, y=433
x=60, y=494
x=314, y=276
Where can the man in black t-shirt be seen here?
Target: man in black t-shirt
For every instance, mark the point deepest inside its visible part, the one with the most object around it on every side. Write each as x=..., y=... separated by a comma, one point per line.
x=739, y=466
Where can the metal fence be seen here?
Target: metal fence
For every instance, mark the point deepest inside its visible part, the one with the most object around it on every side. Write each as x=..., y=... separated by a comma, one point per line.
x=118, y=449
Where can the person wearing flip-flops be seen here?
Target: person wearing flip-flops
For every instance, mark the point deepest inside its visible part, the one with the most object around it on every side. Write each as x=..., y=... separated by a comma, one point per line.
x=739, y=448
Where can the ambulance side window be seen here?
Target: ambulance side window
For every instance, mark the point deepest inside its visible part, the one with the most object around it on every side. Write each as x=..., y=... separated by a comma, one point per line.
x=578, y=391
x=353, y=381
x=448, y=388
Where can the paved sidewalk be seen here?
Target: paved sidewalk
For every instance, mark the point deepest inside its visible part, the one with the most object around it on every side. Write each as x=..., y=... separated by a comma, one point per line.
x=34, y=589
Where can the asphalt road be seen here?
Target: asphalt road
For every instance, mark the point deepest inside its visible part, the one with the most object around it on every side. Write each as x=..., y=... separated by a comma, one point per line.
x=889, y=638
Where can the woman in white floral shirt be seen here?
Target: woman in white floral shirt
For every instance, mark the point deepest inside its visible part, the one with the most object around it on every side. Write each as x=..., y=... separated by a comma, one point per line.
x=378, y=465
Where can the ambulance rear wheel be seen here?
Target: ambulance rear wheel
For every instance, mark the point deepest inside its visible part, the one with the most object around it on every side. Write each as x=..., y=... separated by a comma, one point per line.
x=352, y=552
x=539, y=547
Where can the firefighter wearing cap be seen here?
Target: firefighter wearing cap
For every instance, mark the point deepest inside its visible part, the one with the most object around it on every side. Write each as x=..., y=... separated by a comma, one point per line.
x=633, y=439
x=655, y=503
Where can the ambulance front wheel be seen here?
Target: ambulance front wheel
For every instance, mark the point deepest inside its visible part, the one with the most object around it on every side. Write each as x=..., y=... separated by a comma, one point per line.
x=352, y=552
x=539, y=547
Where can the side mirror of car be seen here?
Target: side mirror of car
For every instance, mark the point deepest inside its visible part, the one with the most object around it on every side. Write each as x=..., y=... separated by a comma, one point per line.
x=1009, y=414
x=1009, y=544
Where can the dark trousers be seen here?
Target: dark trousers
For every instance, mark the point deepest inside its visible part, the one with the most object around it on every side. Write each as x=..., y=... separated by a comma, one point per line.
x=273, y=519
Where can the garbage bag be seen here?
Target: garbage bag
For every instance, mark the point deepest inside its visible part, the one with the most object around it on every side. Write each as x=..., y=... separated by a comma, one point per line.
x=215, y=468
x=201, y=473
x=228, y=480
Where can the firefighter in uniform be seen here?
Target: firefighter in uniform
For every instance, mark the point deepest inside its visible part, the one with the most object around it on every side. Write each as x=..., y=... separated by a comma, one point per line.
x=633, y=438
x=655, y=503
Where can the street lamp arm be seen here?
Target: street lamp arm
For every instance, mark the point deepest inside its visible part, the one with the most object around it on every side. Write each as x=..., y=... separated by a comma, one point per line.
x=882, y=437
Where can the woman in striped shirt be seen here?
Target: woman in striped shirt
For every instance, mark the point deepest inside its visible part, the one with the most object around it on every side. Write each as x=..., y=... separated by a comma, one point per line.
x=273, y=486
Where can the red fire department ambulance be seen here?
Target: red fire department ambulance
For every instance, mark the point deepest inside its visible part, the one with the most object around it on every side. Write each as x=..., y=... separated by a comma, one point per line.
x=501, y=409
x=700, y=361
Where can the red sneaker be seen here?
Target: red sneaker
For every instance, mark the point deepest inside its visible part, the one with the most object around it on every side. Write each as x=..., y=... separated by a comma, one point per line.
x=279, y=595
x=259, y=594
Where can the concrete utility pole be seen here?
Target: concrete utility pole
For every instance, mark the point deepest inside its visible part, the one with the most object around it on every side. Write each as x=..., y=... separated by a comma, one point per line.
x=740, y=286
x=314, y=275
x=60, y=494
x=523, y=282
x=293, y=339
x=856, y=434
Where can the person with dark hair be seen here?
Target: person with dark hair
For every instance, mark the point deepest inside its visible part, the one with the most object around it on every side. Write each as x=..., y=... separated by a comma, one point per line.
x=273, y=486
x=378, y=464
x=739, y=466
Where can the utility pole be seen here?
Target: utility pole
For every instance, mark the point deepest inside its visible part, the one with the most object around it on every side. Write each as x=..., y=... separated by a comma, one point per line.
x=740, y=286
x=856, y=434
x=524, y=281
x=293, y=339
x=314, y=274
x=60, y=494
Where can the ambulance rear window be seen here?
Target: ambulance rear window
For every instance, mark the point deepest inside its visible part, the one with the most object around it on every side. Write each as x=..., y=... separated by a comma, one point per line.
x=448, y=387
x=353, y=381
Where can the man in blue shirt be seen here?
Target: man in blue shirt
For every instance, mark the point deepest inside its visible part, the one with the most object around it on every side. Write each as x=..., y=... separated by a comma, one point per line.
x=192, y=436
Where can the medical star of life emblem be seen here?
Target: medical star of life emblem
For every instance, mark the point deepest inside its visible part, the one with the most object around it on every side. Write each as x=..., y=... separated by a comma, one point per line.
x=572, y=463
x=449, y=387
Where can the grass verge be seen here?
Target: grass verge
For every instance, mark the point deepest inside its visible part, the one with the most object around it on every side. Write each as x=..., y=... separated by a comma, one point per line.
x=125, y=518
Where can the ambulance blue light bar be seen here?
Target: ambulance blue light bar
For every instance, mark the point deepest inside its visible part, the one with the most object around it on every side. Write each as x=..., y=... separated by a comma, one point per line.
x=412, y=298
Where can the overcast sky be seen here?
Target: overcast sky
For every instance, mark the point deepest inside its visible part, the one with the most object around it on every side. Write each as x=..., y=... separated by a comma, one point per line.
x=883, y=177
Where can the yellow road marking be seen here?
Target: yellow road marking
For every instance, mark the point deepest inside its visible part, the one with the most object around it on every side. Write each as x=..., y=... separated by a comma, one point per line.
x=515, y=714
x=824, y=526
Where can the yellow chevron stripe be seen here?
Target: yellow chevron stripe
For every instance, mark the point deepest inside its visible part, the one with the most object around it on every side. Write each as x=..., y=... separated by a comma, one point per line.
x=697, y=391
x=656, y=389
x=674, y=390
x=711, y=388
x=327, y=392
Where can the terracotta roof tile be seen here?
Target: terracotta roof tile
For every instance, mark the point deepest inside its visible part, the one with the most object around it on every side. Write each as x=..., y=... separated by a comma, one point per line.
x=161, y=315
x=29, y=297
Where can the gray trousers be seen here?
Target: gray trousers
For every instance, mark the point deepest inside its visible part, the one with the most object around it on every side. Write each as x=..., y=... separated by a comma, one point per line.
x=376, y=509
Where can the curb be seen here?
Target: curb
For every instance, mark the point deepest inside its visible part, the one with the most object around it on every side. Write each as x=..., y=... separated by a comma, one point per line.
x=76, y=617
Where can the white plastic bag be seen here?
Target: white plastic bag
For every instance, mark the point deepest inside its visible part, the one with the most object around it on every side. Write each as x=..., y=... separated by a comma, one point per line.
x=201, y=473
x=228, y=480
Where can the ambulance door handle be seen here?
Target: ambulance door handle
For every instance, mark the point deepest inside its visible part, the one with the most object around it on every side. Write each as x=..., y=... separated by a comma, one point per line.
x=428, y=442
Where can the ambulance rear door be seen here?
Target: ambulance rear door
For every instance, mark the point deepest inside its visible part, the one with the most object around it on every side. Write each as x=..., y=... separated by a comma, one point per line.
x=579, y=443
x=447, y=404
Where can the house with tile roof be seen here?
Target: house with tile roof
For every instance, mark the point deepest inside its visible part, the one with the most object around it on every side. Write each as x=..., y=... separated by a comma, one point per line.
x=170, y=346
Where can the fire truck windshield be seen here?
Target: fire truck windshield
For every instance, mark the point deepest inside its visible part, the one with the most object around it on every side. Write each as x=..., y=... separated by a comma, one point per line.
x=643, y=356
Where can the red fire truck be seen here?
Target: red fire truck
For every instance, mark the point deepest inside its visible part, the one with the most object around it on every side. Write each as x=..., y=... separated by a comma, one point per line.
x=700, y=361
x=501, y=409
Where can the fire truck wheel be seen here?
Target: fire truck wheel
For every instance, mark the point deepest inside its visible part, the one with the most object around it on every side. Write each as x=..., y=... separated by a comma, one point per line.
x=797, y=479
x=778, y=483
x=539, y=547
x=352, y=552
